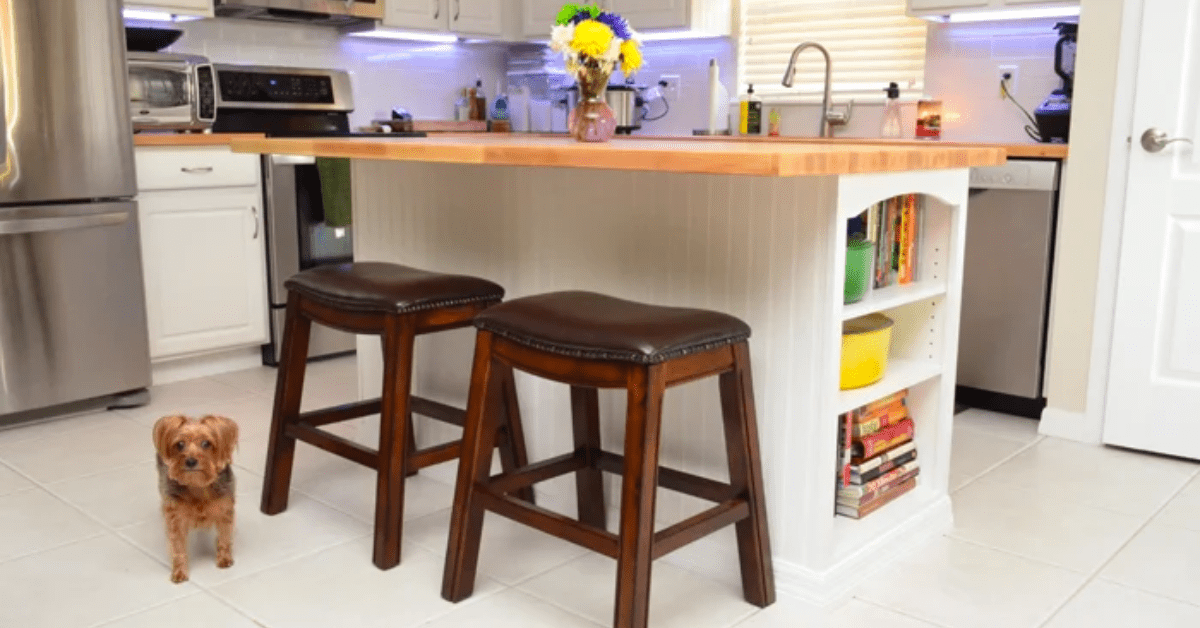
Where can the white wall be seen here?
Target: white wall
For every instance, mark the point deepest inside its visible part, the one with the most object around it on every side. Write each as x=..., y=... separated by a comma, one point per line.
x=424, y=78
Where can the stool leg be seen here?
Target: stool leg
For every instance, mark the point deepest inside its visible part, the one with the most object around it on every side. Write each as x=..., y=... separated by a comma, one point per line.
x=289, y=387
x=646, y=387
x=745, y=474
x=589, y=482
x=511, y=435
x=466, y=519
x=411, y=448
x=393, y=440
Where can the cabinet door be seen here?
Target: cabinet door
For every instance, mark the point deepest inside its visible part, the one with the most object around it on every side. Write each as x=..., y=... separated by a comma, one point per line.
x=930, y=5
x=537, y=17
x=477, y=17
x=205, y=268
x=430, y=15
x=647, y=14
x=189, y=7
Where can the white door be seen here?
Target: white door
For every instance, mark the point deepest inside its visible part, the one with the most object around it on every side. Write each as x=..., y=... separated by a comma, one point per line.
x=1154, y=377
x=537, y=17
x=476, y=17
x=647, y=14
x=429, y=15
x=205, y=268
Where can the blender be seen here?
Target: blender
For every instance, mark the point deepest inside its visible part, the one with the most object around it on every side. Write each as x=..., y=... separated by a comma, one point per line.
x=1054, y=114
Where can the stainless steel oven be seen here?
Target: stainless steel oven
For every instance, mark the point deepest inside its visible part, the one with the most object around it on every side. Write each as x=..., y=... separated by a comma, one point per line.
x=298, y=239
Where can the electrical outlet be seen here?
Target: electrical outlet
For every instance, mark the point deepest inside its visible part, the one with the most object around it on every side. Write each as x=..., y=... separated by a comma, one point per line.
x=673, y=87
x=1007, y=75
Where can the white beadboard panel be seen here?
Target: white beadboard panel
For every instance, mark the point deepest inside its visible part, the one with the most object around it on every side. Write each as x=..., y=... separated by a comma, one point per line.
x=768, y=250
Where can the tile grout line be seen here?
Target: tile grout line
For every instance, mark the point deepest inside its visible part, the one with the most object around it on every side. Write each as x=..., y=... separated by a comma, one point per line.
x=997, y=465
x=1096, y=573
x=902, y=613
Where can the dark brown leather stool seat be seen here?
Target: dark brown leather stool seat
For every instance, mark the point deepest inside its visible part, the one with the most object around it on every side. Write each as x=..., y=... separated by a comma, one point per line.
x=591, y=341
x=396, y=303
x=381, y=287
x=597, y=327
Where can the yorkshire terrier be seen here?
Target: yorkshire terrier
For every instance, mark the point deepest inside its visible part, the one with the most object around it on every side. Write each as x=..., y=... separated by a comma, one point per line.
x=195, y=478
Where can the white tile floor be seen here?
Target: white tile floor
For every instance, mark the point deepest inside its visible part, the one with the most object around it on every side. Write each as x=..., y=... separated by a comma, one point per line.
x=1048, y=533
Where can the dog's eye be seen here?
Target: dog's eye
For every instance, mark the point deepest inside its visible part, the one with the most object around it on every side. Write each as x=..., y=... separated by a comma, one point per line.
x=179, y=445
x=206, y=444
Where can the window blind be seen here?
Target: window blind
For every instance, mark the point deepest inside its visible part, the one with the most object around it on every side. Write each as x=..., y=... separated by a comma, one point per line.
x=871, y=42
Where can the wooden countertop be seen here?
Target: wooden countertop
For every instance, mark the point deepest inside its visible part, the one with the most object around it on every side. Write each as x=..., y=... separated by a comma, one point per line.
x=777, y=159
x=1027, y=150
x=190, y=139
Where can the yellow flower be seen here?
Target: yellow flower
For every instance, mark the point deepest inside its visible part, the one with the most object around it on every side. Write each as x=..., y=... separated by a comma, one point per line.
x=631, y=57
x=592, y=38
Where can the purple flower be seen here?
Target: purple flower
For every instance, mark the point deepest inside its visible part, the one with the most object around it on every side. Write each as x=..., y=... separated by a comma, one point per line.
x=619, y=26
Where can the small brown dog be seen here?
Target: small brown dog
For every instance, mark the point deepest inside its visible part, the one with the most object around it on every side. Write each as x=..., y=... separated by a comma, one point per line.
x=195, y=478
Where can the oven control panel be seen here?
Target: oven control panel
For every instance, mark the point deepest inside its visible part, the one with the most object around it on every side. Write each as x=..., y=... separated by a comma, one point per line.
x=280, y=88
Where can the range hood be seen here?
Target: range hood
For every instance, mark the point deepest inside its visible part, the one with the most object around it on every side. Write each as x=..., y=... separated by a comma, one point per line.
x=349, y=14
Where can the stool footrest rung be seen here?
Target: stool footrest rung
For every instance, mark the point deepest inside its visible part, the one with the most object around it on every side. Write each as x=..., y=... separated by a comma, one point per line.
x=433, y=455
x=678, y=481
x=699, y=526
x=334, y=444
x=437, y=410
x=337, y=414
x=552, y=523
x=537, y=472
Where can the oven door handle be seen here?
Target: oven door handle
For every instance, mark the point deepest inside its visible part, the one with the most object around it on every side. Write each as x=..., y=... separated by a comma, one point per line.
x=292, y=160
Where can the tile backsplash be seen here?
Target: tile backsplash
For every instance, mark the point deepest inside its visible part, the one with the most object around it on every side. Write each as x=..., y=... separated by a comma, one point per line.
x=424, y=78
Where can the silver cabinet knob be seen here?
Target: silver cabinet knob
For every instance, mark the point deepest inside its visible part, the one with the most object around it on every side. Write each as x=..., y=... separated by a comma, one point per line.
x=1154, y=140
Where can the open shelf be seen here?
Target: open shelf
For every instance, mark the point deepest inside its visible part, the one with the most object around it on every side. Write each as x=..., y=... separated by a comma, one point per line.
x=880, y=299
x=901, y=373
x=850, y=535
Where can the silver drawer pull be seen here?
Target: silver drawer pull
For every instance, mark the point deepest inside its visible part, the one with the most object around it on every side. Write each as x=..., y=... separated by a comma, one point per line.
x=202, y=170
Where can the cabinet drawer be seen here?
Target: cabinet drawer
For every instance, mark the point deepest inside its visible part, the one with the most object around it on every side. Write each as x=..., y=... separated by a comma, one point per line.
x=194, y=167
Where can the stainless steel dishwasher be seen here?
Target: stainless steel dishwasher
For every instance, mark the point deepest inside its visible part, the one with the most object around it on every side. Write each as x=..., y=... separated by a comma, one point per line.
x=1012, y=213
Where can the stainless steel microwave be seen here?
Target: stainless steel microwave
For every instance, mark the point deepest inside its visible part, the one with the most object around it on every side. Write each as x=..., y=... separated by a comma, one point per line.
x=171, y=92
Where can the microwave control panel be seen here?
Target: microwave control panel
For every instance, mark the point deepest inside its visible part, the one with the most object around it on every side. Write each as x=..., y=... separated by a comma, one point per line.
x=255, y=87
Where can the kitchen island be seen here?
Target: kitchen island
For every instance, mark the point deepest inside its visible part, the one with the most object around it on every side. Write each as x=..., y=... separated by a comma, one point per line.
x=755, y=229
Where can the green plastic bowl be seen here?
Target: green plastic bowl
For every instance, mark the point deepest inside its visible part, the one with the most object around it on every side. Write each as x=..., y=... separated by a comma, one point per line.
x=860, y=258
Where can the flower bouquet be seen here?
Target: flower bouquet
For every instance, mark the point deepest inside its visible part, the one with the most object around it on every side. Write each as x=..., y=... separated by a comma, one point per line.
x=594, y=43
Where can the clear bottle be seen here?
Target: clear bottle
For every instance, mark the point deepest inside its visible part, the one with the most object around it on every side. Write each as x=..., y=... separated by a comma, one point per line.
x=891, y=126
x=500, y=108
x=462, y=108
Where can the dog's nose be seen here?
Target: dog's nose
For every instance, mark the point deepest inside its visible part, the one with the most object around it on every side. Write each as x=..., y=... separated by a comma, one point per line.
x=190, y=462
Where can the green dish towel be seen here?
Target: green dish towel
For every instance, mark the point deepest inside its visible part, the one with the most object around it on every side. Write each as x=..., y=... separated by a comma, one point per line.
x=335, y=190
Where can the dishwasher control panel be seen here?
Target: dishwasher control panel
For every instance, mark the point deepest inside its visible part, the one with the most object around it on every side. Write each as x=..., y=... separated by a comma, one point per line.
x=1017, y=174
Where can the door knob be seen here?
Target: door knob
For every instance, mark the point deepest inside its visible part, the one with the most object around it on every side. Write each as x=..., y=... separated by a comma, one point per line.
x=1154, y=140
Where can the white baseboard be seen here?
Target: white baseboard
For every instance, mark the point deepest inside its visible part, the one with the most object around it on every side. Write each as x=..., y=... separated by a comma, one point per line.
x=192, y=367
x=1076, y=426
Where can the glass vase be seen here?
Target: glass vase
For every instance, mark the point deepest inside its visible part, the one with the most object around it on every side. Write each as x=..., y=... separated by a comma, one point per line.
x=592, y=120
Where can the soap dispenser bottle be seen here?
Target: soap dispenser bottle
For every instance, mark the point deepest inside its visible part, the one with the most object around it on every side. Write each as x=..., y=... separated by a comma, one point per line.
x=891, y=126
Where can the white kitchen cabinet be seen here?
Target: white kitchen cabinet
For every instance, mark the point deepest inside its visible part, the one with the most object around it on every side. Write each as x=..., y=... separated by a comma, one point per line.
x=711, y=17
x=431, y=15
x=477, y=17
x=203, y=8
x=204, y=260
x=922, y=8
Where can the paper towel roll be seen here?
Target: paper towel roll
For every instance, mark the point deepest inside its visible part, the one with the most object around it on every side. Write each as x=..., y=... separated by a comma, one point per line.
x=714, y=97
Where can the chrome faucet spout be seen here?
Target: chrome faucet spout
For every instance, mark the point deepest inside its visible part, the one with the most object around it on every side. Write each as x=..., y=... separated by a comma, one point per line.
x=826, y=129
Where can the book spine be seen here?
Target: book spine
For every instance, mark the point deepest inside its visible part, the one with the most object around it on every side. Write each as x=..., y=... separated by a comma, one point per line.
x=897, y=218
x=886, y=498
x=862, y=477
x=890, y=455
x=881, y=419
x=883, y=439
x=847, y=447
x=918, y=231
x=902, y=244
x=879, y=404
x=879, y=484
x=910, y=238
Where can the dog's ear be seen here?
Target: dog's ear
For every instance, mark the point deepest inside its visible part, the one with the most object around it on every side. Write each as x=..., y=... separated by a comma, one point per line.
x=226, y=432
x=164, y=433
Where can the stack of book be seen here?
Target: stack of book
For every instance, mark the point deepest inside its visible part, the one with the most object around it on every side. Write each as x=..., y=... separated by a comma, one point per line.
x=878, y=457
x=894, y=226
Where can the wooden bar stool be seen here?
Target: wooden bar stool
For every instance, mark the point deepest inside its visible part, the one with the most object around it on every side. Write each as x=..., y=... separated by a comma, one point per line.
x=397, y=303
x=592, y=341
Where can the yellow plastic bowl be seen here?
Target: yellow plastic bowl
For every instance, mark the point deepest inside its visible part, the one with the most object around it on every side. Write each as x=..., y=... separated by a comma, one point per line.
x=865, y=342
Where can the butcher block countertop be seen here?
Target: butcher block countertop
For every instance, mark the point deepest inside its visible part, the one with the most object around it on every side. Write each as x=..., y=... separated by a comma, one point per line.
x=1025, y=150
x=190, y=139
x=773, y=159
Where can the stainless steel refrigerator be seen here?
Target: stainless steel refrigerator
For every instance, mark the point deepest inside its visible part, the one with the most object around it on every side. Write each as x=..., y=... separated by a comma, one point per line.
x=72, y=305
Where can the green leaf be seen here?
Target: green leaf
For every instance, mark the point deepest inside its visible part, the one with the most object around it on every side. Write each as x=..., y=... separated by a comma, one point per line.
x=566, y=13
x=593, y=9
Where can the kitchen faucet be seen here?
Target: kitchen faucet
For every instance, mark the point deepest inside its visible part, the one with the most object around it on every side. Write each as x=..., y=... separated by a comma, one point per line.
x=829, y=118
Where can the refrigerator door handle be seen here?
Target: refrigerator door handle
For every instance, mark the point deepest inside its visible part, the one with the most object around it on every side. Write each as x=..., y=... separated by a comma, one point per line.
x=36, y=225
